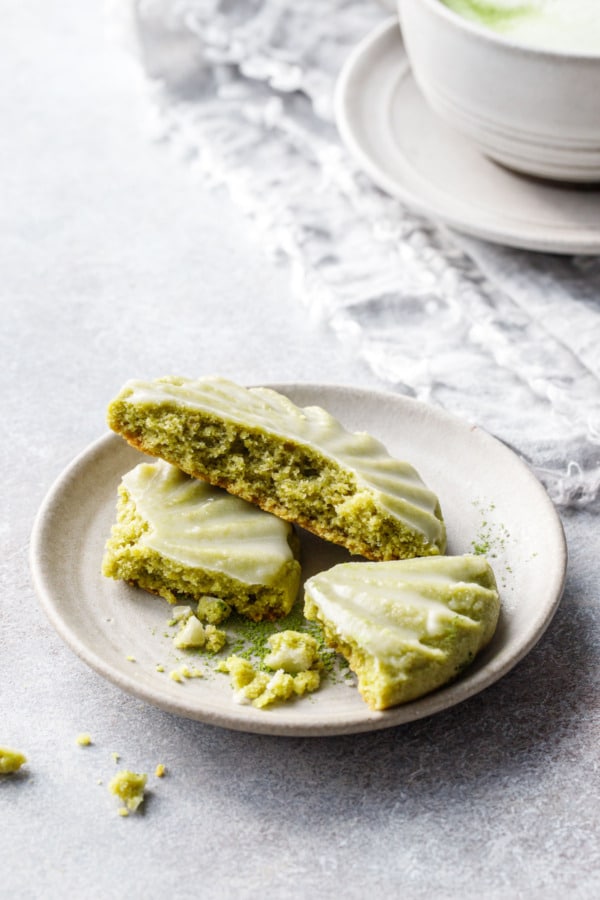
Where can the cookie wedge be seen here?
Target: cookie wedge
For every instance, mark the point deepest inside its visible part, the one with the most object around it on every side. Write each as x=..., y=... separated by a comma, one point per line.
x=406, y=627
x=299, y=463
x=185, y=540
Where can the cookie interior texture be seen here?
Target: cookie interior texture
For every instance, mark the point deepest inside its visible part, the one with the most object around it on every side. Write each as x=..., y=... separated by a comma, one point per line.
x=406, y=627
x=300, y=464
x=184, y=539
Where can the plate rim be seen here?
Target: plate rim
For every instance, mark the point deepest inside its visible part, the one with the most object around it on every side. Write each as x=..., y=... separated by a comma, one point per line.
x=444, y=698
x=518, y=239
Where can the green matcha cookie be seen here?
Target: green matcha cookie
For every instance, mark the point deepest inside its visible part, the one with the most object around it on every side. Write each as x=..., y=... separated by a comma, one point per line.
x=187, y=541
x=300, y=464
x=406, y=627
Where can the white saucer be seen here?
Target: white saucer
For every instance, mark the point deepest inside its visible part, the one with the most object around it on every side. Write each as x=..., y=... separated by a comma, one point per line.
x=492, y=503
x=413, y=155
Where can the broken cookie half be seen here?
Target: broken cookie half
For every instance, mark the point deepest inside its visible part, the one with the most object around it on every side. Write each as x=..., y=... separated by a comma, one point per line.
x=406, y=627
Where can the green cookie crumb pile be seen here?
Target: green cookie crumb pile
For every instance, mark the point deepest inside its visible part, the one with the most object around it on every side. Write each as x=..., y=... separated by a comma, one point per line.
x=262, y=688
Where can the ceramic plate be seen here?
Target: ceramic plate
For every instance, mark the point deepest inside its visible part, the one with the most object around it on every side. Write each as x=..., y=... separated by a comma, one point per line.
x=491, y=502
x=413, y=155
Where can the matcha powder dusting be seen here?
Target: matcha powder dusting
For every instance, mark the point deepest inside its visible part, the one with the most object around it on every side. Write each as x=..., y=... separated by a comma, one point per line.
x=492, y=537
x=251, y=640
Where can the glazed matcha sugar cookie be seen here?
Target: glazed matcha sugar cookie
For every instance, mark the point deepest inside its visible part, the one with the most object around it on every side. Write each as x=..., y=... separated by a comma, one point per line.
x=406, y=627
x=185, y=540
x=299, y=463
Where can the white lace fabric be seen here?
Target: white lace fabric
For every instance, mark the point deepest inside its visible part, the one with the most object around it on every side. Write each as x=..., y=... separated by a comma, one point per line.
x=505, y=338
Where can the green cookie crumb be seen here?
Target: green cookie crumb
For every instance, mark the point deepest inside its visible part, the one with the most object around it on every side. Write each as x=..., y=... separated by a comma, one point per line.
x=213, y=610
x=292, y=651
x=183, y=672
x=262, y=689
x=128, y=787
x=10, y=760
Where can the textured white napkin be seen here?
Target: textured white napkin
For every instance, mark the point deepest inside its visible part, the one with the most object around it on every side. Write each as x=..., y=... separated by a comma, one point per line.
x=507, y=339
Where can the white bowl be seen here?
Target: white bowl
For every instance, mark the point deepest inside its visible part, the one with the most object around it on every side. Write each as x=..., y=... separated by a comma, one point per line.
x=534, y=110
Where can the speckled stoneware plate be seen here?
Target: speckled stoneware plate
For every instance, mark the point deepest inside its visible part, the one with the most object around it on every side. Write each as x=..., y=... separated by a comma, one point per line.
x=412, y=154
x=490, y=501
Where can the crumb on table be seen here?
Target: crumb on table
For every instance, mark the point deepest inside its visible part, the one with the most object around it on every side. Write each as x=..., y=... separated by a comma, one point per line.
x=128, y=787
x=10, y=760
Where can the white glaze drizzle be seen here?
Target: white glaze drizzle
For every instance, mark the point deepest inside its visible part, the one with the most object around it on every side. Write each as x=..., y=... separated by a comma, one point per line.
x=389, y=608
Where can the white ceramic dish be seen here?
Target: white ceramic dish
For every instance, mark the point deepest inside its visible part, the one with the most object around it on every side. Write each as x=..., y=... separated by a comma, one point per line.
x=413, y=155
x=488, y=496
x=535, y=110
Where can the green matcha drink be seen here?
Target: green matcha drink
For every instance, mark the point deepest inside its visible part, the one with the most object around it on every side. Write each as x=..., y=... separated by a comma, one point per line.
x=569, y=25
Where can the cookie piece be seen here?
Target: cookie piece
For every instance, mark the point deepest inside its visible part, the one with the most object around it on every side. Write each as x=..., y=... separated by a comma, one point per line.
x=300, y=464
x=185, y=540
x=406, y=627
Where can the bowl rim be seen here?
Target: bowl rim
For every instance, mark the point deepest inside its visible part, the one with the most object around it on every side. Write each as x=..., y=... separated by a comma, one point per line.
x=455, y=19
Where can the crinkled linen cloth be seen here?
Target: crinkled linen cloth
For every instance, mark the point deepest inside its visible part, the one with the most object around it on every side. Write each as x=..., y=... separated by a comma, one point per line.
x=508, y=339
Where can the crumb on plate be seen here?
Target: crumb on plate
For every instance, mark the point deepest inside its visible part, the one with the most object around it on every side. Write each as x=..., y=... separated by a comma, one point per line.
x=292, y=651
x=183, y=672
x=193, y=635
x=265, y=688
